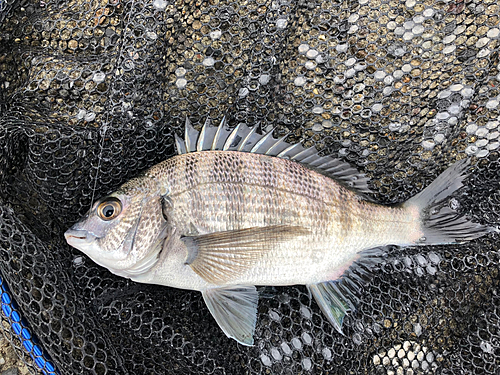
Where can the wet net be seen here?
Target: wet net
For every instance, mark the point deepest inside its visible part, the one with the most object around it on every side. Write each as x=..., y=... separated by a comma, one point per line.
x=92, y=91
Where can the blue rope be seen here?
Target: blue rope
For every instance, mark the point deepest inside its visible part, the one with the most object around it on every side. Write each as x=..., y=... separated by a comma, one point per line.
x=18, y=326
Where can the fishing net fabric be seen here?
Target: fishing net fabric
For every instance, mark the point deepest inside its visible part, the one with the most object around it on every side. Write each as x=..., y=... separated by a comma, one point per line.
x=93, y=91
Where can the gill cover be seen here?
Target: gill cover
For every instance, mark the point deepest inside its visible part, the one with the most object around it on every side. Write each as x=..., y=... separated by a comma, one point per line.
x=123, y=232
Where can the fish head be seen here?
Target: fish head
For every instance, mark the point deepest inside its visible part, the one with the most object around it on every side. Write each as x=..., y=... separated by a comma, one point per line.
x=123, y=231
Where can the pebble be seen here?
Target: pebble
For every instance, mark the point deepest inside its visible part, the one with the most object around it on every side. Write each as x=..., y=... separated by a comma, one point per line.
x=351, y=61
x=408, y=36
x=428, y=144
x=471, y=128
x=471, y=150
x=483, y=53
x=482, y=153
x=493, y=145
x=429, y=12
x=160, y=4
x=243, y=92
x=492, y=125
x=276, y=354
x=406, y=68
x=418, y=19
x=482, y=42
x=99, y=77
x=460, y=29
x=449, y=38
x=312, y=53
x=493, y=33
x=299, y=81
x=310, y=65
x=467, y=92
x=214, y=35
x=303, y=48
x=327, y=353
x=340, y=48
x=418, y=29
x=286, y=348
x=449, y=49
x=180, y=72
x=264, y=79
x=181, y=83
x=379, y=75
x=439, y=138
x=482, y=132
x=281, y=23
x=492, y=104
x=266, y=360
x=306, y=364
x=209, y=61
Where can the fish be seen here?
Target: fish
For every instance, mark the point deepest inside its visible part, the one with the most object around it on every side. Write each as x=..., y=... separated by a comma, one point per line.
x=236, y=209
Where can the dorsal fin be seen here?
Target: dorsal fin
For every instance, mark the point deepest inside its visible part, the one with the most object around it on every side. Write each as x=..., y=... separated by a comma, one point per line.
x=245, y=139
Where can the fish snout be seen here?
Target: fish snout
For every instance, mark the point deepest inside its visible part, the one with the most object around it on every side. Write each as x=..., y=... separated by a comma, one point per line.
x=79, y=237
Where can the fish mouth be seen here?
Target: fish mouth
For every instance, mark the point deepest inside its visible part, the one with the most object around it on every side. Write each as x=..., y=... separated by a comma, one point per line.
x=79, y=237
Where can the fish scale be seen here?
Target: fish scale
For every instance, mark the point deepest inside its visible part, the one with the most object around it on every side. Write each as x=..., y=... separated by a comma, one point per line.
x=236, y=209
x=260, y=191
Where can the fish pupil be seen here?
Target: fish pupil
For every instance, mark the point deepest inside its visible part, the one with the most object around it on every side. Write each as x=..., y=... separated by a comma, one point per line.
x=108, y=211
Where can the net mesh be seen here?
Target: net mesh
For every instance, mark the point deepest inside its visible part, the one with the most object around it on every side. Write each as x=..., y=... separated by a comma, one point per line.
x=92, y=92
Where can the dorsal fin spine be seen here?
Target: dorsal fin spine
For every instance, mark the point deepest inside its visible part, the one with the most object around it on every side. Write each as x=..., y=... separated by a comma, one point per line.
x=180, y=145
x=261, y=141
x=231, y=137
x=203, y=134
x=279, y=142
x=245, y=139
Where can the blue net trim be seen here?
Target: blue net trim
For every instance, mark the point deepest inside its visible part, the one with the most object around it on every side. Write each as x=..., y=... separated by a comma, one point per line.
x=19, y=327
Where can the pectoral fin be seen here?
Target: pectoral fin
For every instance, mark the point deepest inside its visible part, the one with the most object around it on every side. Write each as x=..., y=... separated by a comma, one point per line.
x=222, y=256
x=235, y=310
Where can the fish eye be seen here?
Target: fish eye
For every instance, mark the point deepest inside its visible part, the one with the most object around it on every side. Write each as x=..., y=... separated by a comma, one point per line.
x=109, y=209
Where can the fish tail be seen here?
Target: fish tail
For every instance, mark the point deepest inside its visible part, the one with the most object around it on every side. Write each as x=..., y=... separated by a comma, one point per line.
x=441, y=221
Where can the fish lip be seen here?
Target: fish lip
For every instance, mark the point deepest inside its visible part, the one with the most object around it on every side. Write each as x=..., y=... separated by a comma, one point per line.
x=79, y=236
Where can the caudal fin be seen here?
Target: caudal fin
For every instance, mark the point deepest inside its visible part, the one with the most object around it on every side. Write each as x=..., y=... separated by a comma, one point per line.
x=441, y=223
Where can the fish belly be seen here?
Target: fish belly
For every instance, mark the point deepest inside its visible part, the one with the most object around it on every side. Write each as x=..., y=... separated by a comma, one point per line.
x=225, y=191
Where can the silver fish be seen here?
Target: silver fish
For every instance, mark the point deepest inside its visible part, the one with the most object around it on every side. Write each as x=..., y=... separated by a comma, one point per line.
x=236, y=209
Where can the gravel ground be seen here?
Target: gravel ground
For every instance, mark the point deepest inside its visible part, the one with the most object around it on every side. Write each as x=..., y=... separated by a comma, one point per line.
x=10, y=363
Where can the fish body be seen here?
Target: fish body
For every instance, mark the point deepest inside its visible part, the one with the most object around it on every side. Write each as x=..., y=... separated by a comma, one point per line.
x=220, y=191
x=235, y=210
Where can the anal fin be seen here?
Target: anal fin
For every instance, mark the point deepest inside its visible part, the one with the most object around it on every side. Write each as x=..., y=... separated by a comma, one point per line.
x=332, y=302
x=234, y=309
x=338, y=297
